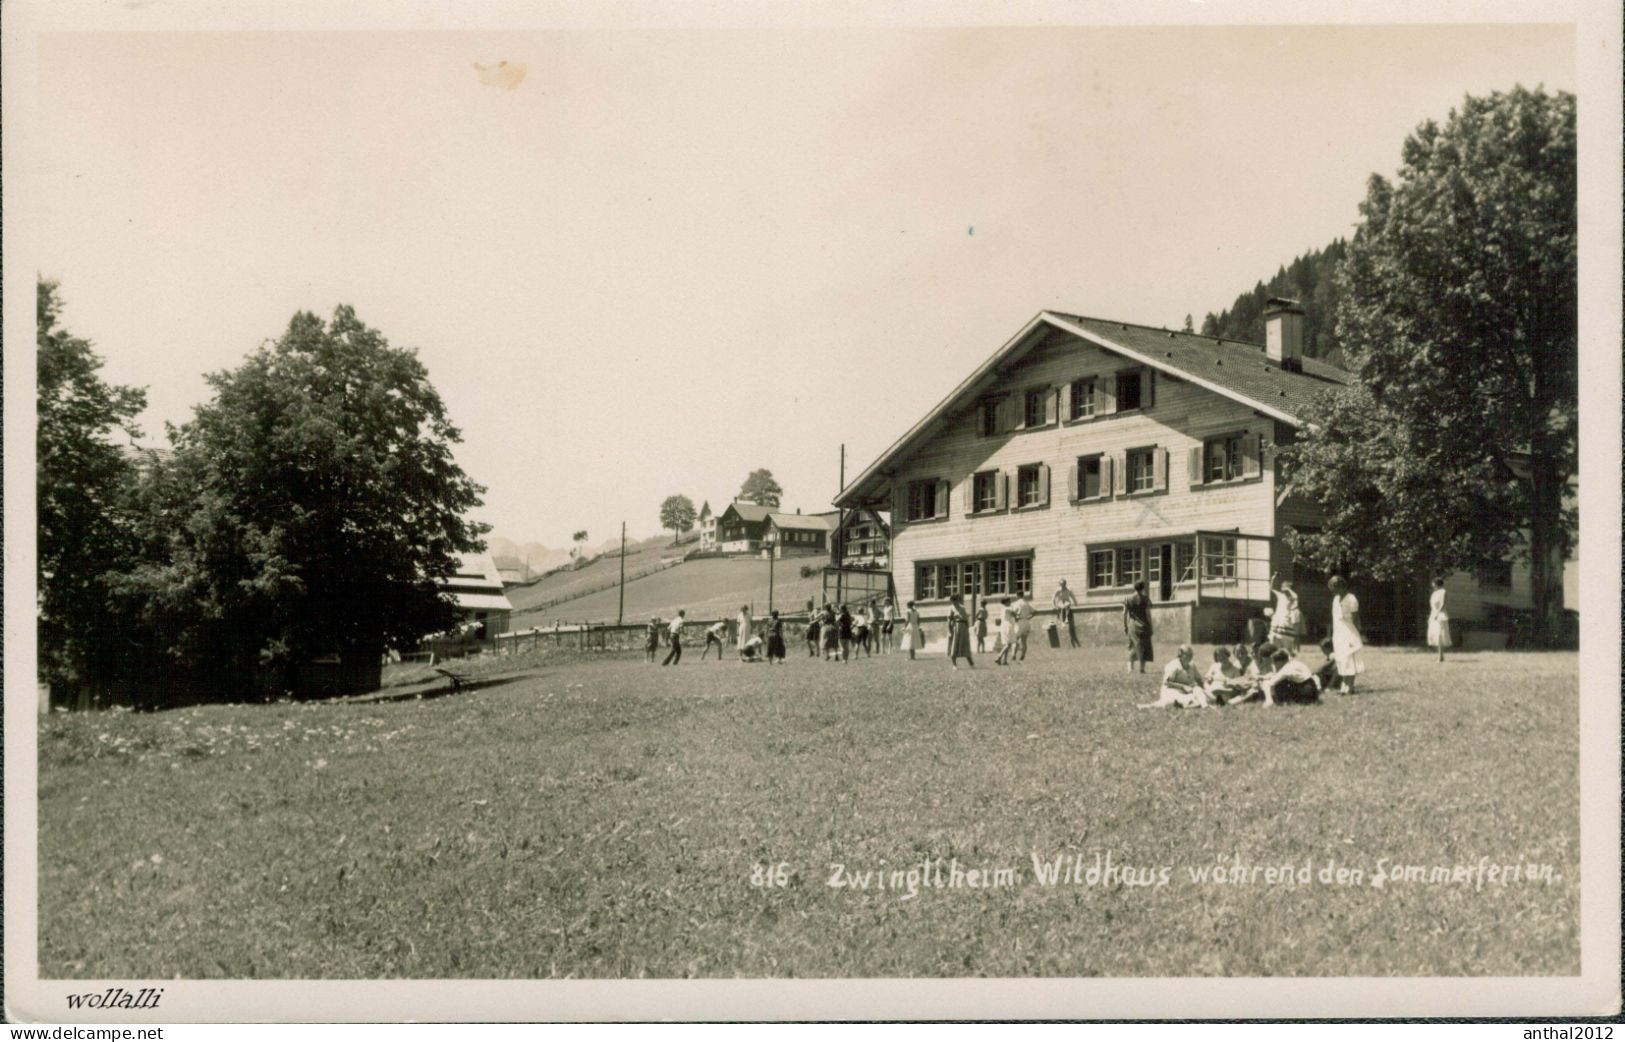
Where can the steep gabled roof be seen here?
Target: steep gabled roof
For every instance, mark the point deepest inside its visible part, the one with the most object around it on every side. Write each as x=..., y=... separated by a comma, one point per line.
x=1232, y=368
x=748, y=511
x=807, y=522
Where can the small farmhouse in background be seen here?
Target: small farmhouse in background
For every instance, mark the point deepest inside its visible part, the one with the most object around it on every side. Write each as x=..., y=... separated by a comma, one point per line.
x=1106, y=453
x=708, y=528
x=482, y=608
x=865, y=541
x=741, y=526
x=800, y=535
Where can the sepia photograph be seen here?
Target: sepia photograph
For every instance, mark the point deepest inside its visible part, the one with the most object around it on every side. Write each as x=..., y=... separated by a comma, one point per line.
x=911, y=510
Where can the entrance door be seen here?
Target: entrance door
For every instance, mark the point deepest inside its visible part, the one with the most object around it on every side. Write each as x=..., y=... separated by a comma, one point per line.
x=1165, y=581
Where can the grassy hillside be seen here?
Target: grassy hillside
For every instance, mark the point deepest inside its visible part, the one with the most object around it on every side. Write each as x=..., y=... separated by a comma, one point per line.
x=640, y=557
x=709, y=588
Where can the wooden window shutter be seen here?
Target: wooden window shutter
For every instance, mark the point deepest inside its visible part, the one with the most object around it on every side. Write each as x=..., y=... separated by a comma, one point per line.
x=1148, y=388
x=1196, y=466
x=1052, y=405
x=1000, y=490
x=1120, y=479
x=1251, y=466
x=1007, y=419
x=899, y=504
x=1106, y=470
x=942, y=498
x=1074, y=476
x=970, y=495
x=1106, y=395
x=1160, y=468
x=1069, y=401
x=1043, y=482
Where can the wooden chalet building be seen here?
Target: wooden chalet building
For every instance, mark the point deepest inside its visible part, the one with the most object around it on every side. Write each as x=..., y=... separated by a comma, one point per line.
x=740, y=528
x=800, y=535
x=1104, y=453
x=865, y=541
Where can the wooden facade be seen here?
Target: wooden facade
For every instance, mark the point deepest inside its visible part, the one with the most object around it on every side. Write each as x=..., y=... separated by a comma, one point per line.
x=1103, y=453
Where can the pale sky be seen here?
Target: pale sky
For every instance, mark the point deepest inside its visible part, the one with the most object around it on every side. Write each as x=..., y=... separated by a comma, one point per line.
x=669, y=257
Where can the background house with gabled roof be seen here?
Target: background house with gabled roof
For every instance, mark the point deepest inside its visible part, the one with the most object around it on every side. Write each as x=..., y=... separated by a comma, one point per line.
x=1107, y=453
x=708, y=528
x=800, y=535
x=483, y=608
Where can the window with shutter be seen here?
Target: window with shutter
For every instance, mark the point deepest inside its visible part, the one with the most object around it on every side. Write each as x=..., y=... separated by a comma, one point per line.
x=1083, y=399
x=1052, y=405
x=1106, y=395
x=1195, y=461
x=1160, y=477
x=1043, y=483
x=1001, y=490
x=1128, y=390
x=1250, y=456
x=984, y=492
x=1029, y=485
x=942, y=499
x=1142, y=470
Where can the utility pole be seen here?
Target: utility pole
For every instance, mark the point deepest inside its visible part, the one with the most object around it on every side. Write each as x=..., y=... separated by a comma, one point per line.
x=620, y=613
x=840, y=530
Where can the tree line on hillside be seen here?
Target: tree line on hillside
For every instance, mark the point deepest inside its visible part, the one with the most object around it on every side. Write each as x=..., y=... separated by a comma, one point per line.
x=303, y=522
x=1310, y=279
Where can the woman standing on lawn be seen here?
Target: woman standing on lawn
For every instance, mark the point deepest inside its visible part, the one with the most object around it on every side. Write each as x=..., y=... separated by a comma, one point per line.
x=1438, y=619
x=911, y=630
x=830, y=631
x=958, y=633
x=1346, y=642
x=812, y=632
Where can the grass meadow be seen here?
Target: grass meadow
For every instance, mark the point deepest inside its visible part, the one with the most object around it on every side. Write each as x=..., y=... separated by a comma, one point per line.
x=605, y=818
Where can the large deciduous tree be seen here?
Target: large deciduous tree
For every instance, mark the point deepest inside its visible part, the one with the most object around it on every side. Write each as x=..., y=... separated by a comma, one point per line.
x=86, y=532
x=314, y=508
x=677, y=514
x=761, y=489
x=1459, y=317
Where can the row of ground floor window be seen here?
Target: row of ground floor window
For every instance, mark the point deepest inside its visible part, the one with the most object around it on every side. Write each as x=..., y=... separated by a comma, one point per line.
x=1162, y=565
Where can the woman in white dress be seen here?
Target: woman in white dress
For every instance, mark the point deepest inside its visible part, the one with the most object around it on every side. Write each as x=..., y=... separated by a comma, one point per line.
x=1346, y=643
x=1438, y=619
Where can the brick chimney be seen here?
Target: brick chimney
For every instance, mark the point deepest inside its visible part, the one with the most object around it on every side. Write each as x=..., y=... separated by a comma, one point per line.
x=1283, y=333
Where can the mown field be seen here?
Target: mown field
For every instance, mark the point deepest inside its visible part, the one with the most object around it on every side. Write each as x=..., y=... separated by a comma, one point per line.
x=640, y=557
x=611, y=819
x=709, y=588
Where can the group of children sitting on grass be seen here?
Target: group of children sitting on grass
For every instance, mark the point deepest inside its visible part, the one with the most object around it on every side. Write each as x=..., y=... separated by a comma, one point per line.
x=1239, y=674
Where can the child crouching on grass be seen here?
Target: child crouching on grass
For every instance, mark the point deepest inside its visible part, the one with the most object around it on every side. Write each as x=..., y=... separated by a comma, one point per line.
x=1289, y=681
x=1326, y=675
x=1224, y=679
x=1181, y=684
